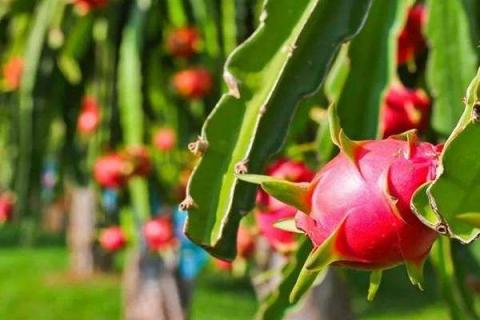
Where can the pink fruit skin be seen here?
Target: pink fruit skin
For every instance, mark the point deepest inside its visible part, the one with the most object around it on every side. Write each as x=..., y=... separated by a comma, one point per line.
x=6, y=207
x=411, y=41
x=159, y=233
x=89, y=117
x=110, y=171
x=355, y=200
x=183, y=42
x=404, y=109
x=272, y=210
x=112, y=239
x=193, y=83
x=12, y=72
x=165, y=139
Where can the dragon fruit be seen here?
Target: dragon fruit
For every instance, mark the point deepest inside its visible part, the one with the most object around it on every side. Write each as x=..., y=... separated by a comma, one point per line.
x=245, y=249
x=7, y=201
x=411, y=41
x=164, y=139
x=404, y=109
x=245, y=242
x=159, y=233
x=112, y=170
x=89, y=117
x=193, y=83
x=12, y=73
x=272, y=210
x=183, y=42
x=362, y=204
x=222, y=265
x=112, y=238
x=85, y=6
x=356, y=211
x=139, y=158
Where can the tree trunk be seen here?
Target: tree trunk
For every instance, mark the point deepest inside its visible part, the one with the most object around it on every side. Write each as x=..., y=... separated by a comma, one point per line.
x=81, y=231
x=150, y=289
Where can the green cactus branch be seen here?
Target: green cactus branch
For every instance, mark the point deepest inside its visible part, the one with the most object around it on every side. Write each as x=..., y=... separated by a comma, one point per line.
x=33, y=52
x=450, y=202
x=372, y=56
x=131, y=102
x=451, y=63
x=293, y=45
x=443, y=265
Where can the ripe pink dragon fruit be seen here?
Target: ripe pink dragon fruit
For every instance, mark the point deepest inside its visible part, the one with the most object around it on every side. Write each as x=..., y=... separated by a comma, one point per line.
x=272, y=210
x=404, y=109
x=164, y=139
x=12, y=73
x=411, y=41
x=159, y=233
x=112, y=238
x=89, y=117
x=362, y=205
x=356, y=210
x=183, y=42
x=194, y=83
x=112, y=170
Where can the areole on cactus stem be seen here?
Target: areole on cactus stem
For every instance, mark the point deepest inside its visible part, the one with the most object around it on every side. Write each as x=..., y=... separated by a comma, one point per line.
x=356, y=210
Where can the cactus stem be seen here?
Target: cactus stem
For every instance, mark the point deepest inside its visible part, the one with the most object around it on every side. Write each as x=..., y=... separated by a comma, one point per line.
x=241, y=167
x=232, y=84
x=198, y=147
x=187, y=203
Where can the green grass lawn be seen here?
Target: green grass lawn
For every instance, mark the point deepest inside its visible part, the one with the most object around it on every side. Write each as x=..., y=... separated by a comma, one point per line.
x=34, y=285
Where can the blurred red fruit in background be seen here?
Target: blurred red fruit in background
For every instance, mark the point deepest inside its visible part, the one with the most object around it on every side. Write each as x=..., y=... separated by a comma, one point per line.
x=183, y=42
x=164, y=139
x=112, y=170
x=272, y=210
x=245, y=242
x=12, y=73
x=159, y=233
x=139, y=159
x=245, y=249
x=193, y=83
x=222, y=264
x=85, y=6
x=89, y=117
x=404, y=109
x=411, y=41
x=112, y=239
x=6, y=207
